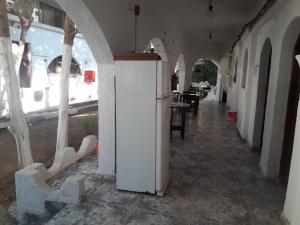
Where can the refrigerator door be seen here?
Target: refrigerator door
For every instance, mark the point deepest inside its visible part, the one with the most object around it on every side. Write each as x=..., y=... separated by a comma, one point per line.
x=163, y=79
x=136, y=125
x=162, y=144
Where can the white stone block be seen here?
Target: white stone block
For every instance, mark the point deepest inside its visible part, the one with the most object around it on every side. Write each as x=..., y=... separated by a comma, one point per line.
x=63, y=158
x=31, y=192
x=88, y=146
x=39, y=167
x=72, y=191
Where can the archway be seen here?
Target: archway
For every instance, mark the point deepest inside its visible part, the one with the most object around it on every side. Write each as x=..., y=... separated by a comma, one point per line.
x=180, y=71
x=205, y=69
x=262, y=94
x=159, y=48
x=206, y=77
x=89, y=27
x=291, y=117
x=275, y=122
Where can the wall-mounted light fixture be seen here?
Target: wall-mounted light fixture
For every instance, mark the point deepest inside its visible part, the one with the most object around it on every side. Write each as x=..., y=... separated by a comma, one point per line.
x=210, y=9
x=136, y=12
x=210, y=35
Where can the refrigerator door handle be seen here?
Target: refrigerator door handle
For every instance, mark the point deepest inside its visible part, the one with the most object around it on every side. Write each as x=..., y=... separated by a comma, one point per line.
x=163, y=98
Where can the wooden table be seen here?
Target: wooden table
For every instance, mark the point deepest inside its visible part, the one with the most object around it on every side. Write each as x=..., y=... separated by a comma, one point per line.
x=182, y=108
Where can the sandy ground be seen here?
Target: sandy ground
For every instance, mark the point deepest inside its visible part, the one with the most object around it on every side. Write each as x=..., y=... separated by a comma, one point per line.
x=43, y=140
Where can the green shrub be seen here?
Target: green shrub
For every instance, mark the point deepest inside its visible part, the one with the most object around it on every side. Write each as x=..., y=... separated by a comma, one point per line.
x=89, y=125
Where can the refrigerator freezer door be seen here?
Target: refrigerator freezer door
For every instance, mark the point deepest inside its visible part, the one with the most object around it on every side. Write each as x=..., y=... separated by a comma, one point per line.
x=162, y=144
x=136, y=125
x=163, y=79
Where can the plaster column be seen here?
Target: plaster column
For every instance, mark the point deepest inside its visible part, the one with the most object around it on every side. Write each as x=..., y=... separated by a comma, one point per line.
x=292, y=202
x=182, y=80
x=219, y=88
x=106, y=90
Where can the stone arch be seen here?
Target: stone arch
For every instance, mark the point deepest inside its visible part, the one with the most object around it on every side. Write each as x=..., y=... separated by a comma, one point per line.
x=272, y=149
x=180, y=65
x=159, y=47
x=215, y=92
x=217, y=64
x=90, y=28
x=262, y=93
x=245, y=69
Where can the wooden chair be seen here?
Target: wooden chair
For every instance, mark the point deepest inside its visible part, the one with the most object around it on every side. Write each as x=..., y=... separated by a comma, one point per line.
x=193, y=100
x=176, y=96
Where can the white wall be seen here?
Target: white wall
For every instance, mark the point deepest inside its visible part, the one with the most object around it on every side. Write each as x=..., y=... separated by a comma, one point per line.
x=282, y=26
x=222, y=77
x=292, y=202
x=246, y=52
x=274, y=26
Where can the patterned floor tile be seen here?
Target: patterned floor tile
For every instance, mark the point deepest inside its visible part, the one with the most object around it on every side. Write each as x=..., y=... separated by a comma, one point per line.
x=214, y=180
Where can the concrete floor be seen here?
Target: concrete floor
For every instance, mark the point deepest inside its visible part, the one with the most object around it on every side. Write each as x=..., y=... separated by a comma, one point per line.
x=215, y=180
x=43, y=139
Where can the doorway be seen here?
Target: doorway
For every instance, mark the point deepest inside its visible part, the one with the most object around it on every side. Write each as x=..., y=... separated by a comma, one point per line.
x=224, y=97
x=290, y=118
x=262, y=95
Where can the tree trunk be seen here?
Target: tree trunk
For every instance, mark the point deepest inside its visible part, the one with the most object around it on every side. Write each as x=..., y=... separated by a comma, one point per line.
x=23, y=9
x=18, y=124
x=62, y=130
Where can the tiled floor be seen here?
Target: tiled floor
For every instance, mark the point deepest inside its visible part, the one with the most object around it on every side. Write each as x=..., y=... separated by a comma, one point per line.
x=215, y=180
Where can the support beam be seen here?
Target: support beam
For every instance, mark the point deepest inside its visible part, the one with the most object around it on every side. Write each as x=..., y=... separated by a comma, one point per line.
x=107, y=119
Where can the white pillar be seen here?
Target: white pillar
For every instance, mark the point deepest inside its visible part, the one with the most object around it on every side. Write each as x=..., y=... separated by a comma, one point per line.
x=106, y=90
x=292, y=201
x=219, y=88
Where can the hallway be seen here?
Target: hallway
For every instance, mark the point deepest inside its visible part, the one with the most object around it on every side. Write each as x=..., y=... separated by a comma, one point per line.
x=215, y=180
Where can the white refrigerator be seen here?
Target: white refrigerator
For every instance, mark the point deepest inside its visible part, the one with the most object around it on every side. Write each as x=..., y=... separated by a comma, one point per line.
x=142, y=123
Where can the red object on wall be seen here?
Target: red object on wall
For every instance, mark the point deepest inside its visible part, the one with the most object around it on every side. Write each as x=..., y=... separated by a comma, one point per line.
x=137, y=10
x=232, y=116
x=89, y=76
x=97, y=147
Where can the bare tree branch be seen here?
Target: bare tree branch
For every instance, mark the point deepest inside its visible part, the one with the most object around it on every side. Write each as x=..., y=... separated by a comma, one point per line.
x=4, y=23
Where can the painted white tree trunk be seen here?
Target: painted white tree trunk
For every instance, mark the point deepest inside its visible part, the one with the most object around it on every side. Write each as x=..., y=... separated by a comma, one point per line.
x=2, y=96
x=62, y=130
x=18, y=125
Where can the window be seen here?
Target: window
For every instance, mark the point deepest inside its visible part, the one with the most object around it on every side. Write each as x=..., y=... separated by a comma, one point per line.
x=50, y=15
x=245, y=70
x=54, y=67
x=25, y=68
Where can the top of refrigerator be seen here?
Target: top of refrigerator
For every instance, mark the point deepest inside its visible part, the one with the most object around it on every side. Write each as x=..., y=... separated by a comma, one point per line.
x=136, y=56
x=163, y=79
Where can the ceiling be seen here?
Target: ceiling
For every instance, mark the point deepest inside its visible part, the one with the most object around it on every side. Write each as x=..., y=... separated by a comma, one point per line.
x=229, y=18
x=191, y=17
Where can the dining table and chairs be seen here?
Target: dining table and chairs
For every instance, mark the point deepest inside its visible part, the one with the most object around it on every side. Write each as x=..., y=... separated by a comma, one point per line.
x=181, y=104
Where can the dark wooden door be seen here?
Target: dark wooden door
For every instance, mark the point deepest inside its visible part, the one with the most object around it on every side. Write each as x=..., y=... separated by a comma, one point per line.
x=266, y=88
x=291, y=116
